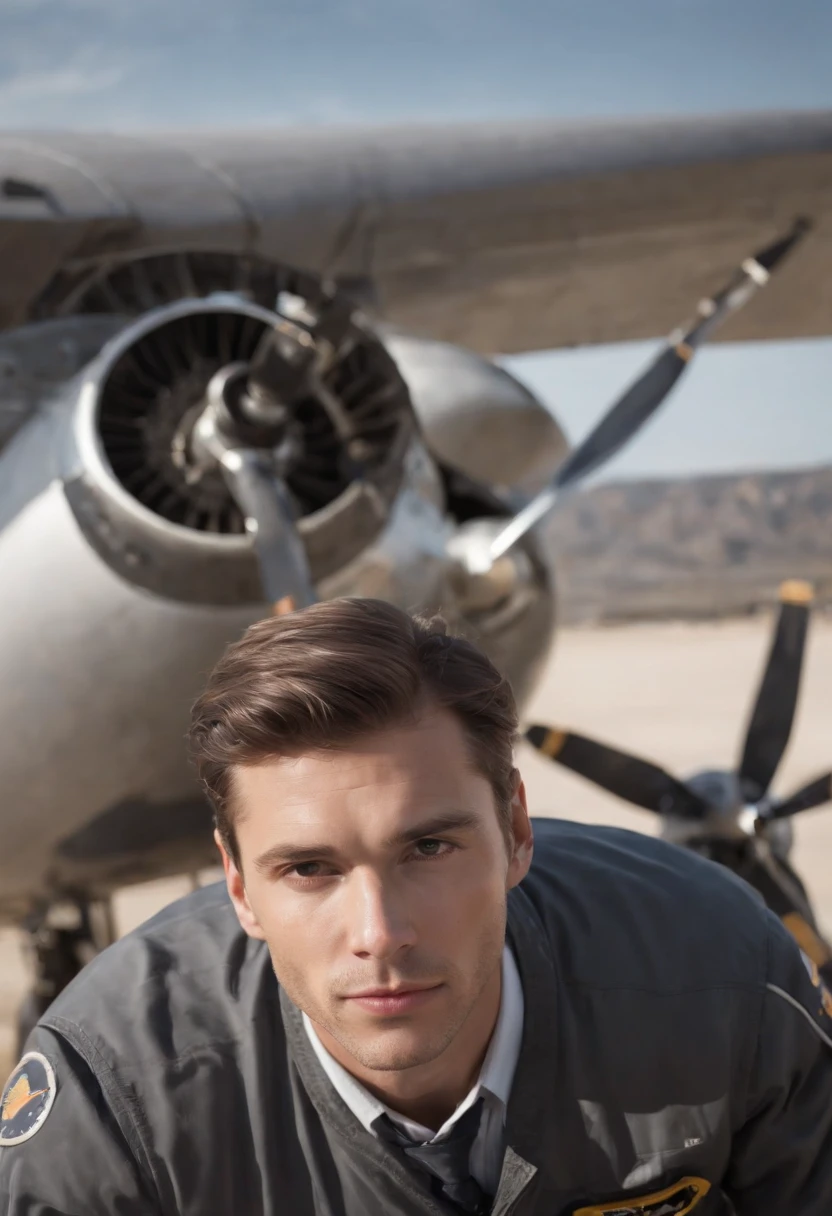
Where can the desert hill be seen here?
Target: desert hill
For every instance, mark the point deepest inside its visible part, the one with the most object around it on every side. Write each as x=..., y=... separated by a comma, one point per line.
x=697, y=547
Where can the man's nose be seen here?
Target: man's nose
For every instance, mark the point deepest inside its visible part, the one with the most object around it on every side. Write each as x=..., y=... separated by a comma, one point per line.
x=379, y=923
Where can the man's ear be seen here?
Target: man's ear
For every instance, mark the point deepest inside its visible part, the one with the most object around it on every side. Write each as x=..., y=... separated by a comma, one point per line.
x=522, y=835
x=237, y=891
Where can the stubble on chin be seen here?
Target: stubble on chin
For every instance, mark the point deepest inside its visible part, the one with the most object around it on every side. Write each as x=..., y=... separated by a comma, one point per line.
x=410, y=1043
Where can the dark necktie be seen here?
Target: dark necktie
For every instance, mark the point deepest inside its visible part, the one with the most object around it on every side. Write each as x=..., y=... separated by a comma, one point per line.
x=448, y=1161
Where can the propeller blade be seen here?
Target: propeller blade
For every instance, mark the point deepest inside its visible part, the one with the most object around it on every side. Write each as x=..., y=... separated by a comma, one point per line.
x=627, y=777
x=806, y=799
x=770, y=724
x=638, y=404
x=626, y=417
x=264, y=502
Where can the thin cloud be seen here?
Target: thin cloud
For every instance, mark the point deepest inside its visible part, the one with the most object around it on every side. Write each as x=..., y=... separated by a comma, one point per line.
x=58, y=82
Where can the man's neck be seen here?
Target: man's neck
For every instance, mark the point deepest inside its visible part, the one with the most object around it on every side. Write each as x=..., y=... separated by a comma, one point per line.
x=430, y=1093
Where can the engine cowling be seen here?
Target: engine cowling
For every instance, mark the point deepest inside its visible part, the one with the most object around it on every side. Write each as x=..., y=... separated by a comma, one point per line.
x=173, y=528
x=447, y=428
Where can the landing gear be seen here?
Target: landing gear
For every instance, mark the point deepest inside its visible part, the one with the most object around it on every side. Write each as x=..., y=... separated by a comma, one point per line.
x=62, y=940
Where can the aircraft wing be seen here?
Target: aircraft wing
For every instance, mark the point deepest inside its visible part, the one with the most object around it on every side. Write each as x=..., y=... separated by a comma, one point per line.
x=502, y=238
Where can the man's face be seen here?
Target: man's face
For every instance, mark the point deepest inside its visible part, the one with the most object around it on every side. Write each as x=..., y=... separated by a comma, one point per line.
x=374, y=870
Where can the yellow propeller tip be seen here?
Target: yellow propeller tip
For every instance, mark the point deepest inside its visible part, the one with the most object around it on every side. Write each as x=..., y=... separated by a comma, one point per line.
x=284, y=606
x=552, y=745
x=796, y=591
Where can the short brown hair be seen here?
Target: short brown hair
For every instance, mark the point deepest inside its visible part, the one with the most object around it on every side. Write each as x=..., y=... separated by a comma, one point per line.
x=338, y=670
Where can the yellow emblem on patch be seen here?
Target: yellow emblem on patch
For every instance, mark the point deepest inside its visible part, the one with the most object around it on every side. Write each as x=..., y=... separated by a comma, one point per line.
x=19, y=1095
x=675, y=1200
x=26, y=1099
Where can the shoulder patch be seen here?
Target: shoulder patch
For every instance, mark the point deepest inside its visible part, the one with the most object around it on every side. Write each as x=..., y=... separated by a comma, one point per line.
x=26, y=1099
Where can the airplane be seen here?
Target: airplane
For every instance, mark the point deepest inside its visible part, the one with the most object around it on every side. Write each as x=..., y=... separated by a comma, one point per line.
x=242, y=370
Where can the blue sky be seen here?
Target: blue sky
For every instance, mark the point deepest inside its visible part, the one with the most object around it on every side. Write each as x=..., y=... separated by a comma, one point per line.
x=129, y=64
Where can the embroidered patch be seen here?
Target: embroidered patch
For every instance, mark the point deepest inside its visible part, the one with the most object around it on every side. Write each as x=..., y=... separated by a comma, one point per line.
x=26, y=1099
x=675, y=1200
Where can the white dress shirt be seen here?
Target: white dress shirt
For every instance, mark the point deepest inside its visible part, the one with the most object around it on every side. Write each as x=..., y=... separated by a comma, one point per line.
x=493, y=1085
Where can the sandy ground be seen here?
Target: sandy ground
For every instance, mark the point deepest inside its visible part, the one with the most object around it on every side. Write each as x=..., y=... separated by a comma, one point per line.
x=676, y=693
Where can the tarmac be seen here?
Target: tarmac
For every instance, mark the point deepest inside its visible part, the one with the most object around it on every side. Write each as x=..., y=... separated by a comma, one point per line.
x=677, y=693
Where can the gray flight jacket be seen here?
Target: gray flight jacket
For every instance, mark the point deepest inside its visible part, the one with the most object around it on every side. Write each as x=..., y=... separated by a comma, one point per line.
x=674, y=1040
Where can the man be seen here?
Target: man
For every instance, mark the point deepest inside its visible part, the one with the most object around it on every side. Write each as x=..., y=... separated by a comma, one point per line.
x=393, y=1010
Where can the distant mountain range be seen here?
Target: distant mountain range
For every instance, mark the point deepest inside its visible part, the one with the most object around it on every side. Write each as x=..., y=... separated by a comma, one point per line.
x=698, y=547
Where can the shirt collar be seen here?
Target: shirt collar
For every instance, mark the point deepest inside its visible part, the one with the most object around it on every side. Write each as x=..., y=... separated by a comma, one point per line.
x=496, y=1075
x=497, y=1072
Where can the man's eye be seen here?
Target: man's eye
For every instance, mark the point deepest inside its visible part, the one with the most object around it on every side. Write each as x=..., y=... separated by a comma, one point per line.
x=307, y=869
x=306, y=873
x=432, y=848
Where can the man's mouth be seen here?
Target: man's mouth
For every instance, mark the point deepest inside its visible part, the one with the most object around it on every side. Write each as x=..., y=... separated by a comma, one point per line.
x=392, y=1001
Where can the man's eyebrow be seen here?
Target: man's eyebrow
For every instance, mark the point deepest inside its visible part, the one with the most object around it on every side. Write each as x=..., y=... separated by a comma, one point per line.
x=451, y=821
x=297, y=854
x=293, y=855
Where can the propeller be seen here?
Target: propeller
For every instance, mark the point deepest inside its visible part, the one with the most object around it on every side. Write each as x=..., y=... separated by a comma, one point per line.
x=638, y=404
x=246, y=430
x=629, y=777
x=649, y=786
x=719, y=802
x=771, y=719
